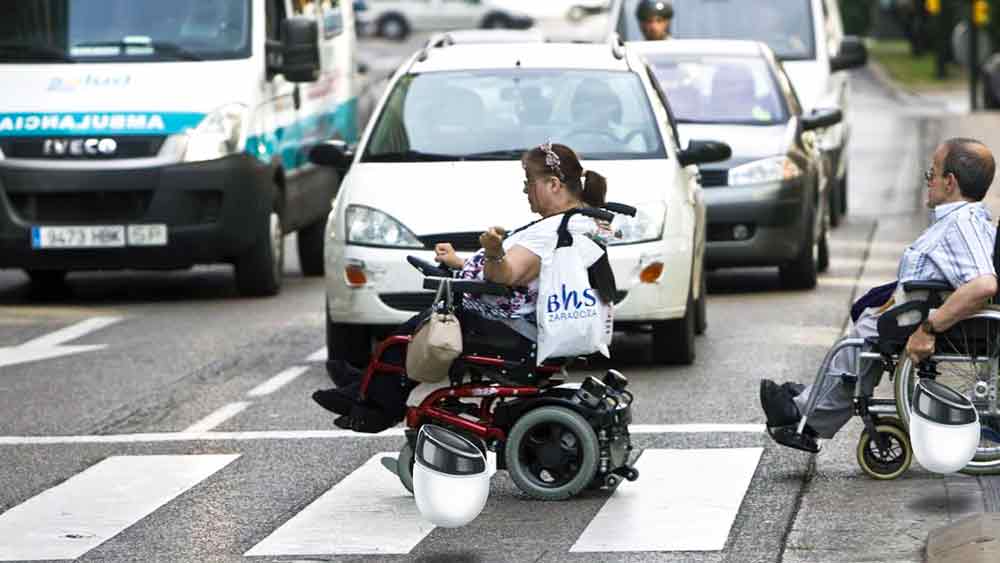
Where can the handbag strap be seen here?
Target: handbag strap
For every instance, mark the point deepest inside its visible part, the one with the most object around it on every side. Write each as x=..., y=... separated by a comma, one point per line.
x=444, y=294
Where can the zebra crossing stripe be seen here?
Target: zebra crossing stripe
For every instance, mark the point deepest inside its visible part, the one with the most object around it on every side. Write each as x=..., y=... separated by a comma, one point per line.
x=83, y=512
x=366, y=513
x=684, y=500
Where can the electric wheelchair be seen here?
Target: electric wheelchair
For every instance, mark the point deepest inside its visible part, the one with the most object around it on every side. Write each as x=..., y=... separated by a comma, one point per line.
x=554, y=439
x=966, y=358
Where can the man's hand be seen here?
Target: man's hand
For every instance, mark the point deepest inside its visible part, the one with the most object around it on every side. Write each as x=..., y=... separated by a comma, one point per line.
x=492, y=241
x=444, y=253
x=920, y=346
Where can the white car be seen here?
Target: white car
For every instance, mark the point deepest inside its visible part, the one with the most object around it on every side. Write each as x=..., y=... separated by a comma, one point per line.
x=806, y=35
x=396, y=19
x=441, y=163
x=573, y=10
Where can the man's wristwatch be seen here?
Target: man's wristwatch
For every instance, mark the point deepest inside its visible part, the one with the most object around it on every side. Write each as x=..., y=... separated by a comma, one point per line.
x=929, y=328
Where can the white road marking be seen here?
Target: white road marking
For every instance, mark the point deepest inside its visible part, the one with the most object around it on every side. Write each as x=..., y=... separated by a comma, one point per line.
x=72, y=518
x=221, y=415
x=318, y=355
x=277, y=382
x=51, y=345
x=684, y=500
x=206, y=436
x=368, y=512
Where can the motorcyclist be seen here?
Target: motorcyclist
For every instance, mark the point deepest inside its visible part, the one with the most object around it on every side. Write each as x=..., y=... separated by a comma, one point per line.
x=654, y=19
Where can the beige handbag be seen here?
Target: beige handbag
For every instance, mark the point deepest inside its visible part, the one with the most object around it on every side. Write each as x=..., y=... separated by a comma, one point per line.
x=437, y=342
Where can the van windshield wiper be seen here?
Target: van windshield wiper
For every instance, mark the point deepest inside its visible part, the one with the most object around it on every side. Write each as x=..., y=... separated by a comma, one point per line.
x=410, y=156
x=159, y=47
x=10, y=49
x=506, y=154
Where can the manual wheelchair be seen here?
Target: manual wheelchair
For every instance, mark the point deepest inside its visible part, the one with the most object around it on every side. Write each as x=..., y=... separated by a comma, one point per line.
x=966, y=358
x=554, y=439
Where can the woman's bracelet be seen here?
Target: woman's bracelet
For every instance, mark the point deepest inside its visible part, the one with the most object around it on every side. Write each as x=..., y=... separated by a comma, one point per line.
x=494, y=259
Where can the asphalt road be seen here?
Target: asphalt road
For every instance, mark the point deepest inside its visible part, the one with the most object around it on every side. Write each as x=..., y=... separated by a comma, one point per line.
x=172, y=354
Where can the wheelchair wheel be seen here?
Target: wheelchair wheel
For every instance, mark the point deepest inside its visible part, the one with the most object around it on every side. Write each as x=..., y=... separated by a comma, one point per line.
x=404, y=466
x=892, y=463
x=551, y=453
x=969, y=362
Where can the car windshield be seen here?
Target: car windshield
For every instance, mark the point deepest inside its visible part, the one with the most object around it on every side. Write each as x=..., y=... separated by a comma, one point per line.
x=45, y=31
x=498, y=114
x=720, y=90
x=785, y=25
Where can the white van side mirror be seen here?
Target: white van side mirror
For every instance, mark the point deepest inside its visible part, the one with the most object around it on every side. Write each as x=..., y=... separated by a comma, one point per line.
x=335, y=154
x=852, y=54
x=299, y=50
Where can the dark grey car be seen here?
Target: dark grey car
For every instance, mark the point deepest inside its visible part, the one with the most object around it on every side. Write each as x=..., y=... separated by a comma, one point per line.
x=766, y=205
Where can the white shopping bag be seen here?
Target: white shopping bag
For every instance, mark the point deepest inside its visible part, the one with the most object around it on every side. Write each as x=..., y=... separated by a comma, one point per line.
x=572, y=319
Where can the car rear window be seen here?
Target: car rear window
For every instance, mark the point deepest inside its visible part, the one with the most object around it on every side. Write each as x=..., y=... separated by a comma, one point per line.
x=499, y=114
x=720, y=90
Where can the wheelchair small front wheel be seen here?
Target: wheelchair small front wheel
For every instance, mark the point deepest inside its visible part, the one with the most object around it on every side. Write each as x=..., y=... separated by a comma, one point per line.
x=889, y=464
x=404, y=466
x=552, y=453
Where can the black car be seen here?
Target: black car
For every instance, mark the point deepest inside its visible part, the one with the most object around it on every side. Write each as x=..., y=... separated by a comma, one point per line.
x=766, y=205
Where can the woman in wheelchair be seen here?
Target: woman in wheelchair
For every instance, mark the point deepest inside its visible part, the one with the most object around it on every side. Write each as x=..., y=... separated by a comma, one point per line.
x=955, y=253
x=555, y=182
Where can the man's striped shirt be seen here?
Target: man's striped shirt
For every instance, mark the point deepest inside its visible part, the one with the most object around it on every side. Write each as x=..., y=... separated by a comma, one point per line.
x=956, y=248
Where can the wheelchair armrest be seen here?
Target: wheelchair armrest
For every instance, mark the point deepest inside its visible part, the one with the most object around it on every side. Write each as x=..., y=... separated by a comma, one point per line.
x=927, y=285
x=472, y=287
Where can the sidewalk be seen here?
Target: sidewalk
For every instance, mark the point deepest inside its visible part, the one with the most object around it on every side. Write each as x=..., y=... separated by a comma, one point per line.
x=845, y=516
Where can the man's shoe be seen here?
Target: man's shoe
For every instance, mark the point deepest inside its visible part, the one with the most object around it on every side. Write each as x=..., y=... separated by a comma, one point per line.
x=777, y=404
x=365, y=419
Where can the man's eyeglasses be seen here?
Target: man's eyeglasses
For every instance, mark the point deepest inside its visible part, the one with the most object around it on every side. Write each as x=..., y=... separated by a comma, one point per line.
x=929, y=174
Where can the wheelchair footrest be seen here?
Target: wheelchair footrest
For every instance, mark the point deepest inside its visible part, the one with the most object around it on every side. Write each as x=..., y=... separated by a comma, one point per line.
x=788, y=436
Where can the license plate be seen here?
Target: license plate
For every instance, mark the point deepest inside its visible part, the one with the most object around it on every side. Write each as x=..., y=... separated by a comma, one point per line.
x=92, y=236
x=99, y=236
x=147, y=235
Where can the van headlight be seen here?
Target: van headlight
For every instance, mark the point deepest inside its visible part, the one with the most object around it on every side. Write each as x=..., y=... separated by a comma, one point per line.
x=372, y=227
x=646, y=226
x=222, y=133
x=767, y=170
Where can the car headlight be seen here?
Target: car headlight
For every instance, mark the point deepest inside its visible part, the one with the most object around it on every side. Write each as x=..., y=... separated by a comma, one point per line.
x=365, y=225
x=774, y=169
x=221, y=133
x=647, y=225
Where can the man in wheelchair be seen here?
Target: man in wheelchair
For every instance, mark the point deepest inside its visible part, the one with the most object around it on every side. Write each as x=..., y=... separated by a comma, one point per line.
x=555, y=183
x=956, y=250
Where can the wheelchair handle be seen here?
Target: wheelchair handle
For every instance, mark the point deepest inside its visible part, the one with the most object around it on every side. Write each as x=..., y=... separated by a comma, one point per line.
x=620, y=208
x=428, y=269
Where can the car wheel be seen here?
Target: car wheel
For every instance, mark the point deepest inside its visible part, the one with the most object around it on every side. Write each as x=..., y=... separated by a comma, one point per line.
x=673, y=340
x=348, y=342
x=800, y=273
x=310, y=244
x=259, y=271
x=393, y=26
x=497, y=21
x=823, y=252
x=701, y=306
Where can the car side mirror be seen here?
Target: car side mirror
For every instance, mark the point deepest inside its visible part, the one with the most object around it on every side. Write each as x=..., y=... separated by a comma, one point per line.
x=336, y=154
x=852, y=54
x=300, y=49
x=821, y=118
x=703, y=152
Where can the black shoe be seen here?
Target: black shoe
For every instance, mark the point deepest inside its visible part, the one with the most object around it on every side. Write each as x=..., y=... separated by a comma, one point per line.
x=789, y=436
x=335, y=400
x=777, y=404
x=365, y=419
x=343, y=374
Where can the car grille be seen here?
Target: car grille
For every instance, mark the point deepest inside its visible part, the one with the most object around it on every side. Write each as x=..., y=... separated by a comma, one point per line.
x=714, y=178
x=421, y=301
x=81, y=207
x=463, y=242
x=128, y=146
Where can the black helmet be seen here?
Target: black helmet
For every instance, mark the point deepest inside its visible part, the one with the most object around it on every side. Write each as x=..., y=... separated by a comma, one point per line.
x=652, y=8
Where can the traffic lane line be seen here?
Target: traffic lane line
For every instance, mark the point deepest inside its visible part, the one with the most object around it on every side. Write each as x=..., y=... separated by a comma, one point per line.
x=277, y=382
x=220, y=415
